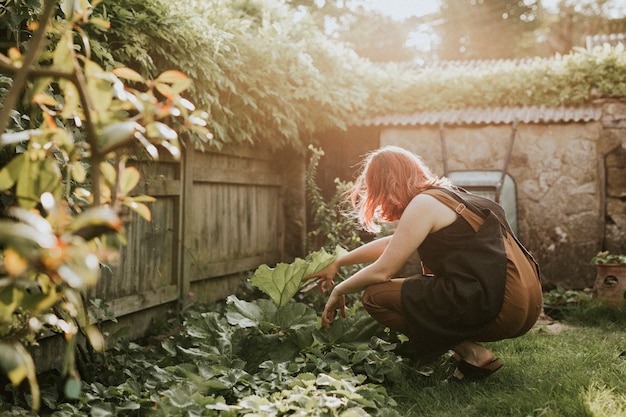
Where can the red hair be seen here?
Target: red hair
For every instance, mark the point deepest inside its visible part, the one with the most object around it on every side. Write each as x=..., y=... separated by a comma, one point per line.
x=390, y=178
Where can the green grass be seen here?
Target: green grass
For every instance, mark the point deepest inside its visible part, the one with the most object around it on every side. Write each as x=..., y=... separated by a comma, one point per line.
x=573, y=368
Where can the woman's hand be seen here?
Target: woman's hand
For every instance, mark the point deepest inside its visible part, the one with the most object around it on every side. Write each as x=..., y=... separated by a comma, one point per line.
x=326, y=277
x=335, y=302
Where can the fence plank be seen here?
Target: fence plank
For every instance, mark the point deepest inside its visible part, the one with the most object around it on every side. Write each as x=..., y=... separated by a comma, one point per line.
x=143, y=300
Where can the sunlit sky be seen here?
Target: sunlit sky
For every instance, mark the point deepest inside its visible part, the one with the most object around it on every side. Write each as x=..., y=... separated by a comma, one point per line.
x=404, y=8
x=399, y=9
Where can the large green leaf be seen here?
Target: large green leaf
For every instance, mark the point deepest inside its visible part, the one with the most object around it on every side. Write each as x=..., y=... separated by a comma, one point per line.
x=11, y=172
x=283, y=281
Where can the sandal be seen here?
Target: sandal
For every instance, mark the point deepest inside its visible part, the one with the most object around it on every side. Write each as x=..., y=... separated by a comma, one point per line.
x=470, y=371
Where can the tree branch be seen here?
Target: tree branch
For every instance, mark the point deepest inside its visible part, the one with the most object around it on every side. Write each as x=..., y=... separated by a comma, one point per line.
x=21, y=76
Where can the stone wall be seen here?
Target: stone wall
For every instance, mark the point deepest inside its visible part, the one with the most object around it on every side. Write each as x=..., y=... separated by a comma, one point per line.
x=612, y=160
x=570, y=180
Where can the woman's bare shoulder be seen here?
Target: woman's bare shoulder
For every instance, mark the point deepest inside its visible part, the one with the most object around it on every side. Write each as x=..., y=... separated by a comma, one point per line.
x=428, y=207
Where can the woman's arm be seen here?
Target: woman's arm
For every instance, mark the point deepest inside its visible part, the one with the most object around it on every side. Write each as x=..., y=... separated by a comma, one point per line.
x=363, y=254
x=422, y=216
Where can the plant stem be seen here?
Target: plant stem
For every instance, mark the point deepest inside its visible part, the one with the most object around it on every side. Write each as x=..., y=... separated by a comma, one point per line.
x=21, y=76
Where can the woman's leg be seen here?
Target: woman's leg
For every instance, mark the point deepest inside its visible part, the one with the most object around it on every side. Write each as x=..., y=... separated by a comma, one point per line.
x=384, y=303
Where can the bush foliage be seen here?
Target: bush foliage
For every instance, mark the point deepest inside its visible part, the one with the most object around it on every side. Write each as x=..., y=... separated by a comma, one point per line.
x=267, y=75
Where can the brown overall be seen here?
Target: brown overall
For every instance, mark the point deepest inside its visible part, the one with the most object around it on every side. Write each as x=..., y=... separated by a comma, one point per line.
x=434, y=332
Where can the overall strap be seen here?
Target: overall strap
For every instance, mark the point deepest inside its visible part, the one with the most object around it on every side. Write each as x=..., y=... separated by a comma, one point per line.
x=475, y=221
x=461, y=209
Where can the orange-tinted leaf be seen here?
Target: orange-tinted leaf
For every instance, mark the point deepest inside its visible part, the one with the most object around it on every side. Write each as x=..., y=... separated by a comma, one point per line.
x=45, y=99
x=16, y=56
x=166, y=90
x=14, y=263
x=128, y=74
x=172, y=77
x=143, y=199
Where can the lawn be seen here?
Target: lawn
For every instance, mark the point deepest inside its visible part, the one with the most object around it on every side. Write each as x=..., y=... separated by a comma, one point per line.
x=571, y=368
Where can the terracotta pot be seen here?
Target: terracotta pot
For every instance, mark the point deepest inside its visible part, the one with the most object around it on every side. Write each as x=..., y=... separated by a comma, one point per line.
x=610, y=285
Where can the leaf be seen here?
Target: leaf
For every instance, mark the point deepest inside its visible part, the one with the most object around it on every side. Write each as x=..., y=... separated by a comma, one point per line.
x=95, y=222
x=11, y=172
x=17, y=364
x=63, y=59
x=139, y=208
x=283, y=281
x=102, y=409
x=79, y=173
x=246, y=314
x=101, y=23
x=172, y=83
x=24, y=239
x=117, y=134
x=14, y=263
x=72, y=388
x=161, y=131
x=45, y=99
x=295, y=316
x=10, y=299
x=321, y=259
x=144, y=199
x=109, y=173
x=72, y=99
x=16, y=137
x=172, y=77
x=129, y=179
x=128, y=74
x=99, y=88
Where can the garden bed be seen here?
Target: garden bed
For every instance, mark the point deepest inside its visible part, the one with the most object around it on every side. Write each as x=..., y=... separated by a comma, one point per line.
x=252, y=358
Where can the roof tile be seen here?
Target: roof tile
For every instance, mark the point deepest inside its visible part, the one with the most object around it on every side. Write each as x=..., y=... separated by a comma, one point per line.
x=494, y=115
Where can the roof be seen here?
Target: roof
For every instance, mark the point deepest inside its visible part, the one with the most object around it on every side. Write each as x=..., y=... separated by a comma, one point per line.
x=612, y=39
x=494, y=115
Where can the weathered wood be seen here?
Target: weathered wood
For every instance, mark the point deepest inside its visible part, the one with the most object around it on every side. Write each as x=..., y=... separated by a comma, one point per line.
x=143, y=300
x=218, y=216
x=233, y=266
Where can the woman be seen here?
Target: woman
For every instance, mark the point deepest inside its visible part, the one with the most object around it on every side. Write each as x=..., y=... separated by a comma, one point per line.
x=479, y=283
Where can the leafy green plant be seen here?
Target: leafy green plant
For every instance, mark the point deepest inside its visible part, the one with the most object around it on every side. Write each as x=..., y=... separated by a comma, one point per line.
x=565, y=297
x=606, y=257
x=332, y=226
x=238, y=358
x=283, y=281
x=67, y=178
x=572, y=79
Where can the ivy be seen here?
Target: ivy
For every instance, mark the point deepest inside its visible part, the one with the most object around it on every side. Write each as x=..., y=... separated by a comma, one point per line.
x=573, y=79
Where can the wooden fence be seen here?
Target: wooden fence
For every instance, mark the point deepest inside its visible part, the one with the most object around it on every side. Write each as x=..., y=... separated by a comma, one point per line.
x=218, y=216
